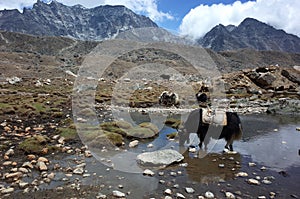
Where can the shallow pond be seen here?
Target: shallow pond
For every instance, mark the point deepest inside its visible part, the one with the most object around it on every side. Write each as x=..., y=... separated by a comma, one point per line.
x=271, y=142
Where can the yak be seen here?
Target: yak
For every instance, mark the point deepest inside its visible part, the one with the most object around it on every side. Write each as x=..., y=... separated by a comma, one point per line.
x=231, y=127
x=230, y=132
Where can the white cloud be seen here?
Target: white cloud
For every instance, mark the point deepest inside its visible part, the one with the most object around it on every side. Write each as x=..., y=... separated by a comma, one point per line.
x=282, y=14
x=16, y=4
x=146, y=7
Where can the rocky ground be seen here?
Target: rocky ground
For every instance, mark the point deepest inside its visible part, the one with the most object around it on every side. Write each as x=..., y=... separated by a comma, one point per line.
x=43, y=156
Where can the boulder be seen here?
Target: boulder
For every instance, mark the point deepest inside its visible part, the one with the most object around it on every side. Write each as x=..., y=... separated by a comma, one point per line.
x=159, y=158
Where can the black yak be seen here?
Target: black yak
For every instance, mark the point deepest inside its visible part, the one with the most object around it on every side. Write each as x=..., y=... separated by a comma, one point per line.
x=230, y=132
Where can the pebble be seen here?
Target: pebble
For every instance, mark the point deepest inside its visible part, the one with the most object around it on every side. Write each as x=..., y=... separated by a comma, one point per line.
x=209, y=195
x=133, y=143
x=14, y=175
x=168, y=197
x=101, y=196
x=168, y=191
x=251, y=164
x=22, y=185
x=179, y=195
x=261, y=197
x=298, y=128
x=221, y=165
x=42, y=159
x=253, y=181
x=7, y=163
x=42, y=166
x=23, y=170
x=263, y=168
x=150, y=145
x=9, y=152
x=266, y=182
x=78, y=171
x=148, y=172
x=7, y=190
x=189, y=190
x=229, y=195
x=31, y=157
x=88, y=154
x=118, y=194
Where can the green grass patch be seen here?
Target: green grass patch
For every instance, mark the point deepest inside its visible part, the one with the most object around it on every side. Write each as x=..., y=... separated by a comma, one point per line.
x=67, y=133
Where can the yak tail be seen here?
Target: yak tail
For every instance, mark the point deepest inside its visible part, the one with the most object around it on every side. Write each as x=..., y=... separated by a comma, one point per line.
x=239, y=135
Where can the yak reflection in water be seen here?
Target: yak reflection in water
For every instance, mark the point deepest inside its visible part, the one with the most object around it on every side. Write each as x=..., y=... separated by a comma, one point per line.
x=211, y=167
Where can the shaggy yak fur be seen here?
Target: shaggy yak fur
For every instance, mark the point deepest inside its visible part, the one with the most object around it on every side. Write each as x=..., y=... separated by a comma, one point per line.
x=232, y=131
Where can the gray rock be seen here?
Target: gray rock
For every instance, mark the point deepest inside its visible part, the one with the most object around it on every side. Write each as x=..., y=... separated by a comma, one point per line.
x=159, y=158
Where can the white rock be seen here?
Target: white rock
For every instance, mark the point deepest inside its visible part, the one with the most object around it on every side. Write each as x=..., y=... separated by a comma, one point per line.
x=118, y=194
x=7, y=190
x=150, y=145
x=179, y=195
x=263, y=168
x=41, y=166
x=42, y=159
x=160, y=158
x=133, y=143
x=23, y=170
x=189, y=190
x=253, y=181
x=221, y=165
x=241, y=174
x=13, y=80
x=168, y=197
x=101, y=196
x=229, y=195
x=14, y=175
x=22, y=185
x=78, y=171
x=266, y=182
x=10, y=152
x=168, y=191
x=251, y=164
x=148, y=172
x=209, y=195
x=261, y=197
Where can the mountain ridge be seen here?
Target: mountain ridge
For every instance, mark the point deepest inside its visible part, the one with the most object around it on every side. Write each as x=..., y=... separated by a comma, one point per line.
x=56, y=19
x=251, y=33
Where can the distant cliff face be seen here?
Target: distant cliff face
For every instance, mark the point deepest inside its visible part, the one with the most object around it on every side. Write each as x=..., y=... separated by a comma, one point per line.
x=56, y=19
x=251, y=33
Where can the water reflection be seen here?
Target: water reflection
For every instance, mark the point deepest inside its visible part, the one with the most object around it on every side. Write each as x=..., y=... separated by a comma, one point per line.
x=212, y=167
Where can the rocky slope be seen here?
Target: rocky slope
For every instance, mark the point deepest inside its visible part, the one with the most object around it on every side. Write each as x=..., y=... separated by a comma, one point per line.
x=56, y=19
x=251, y=33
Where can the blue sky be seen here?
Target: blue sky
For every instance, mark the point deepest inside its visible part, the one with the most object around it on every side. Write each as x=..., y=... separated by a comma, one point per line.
x=194, y=18
x=182, y=8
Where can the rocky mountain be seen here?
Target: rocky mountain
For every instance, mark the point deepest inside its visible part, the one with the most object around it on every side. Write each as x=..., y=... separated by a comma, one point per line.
x=251, y=33
x=56, y=19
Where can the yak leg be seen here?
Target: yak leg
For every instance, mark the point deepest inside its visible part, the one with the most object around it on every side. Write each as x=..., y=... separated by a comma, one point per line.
x=201, y=136
x=228, y=145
